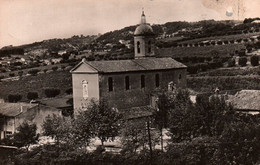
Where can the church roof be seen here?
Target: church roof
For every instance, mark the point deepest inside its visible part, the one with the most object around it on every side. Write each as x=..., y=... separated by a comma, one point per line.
x=146, y=64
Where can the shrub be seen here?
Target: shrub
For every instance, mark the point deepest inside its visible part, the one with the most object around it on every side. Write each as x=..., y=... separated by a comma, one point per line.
x=20, y=73
x=45, y=70
x=14, y=98
x=51, y=92
x=192, y=69
x=254, y=60
x=11, y=74
x=69, y=91
x=242, y=61
x=54, y=68
x=231, y=62
x=219, y=43
x=1, y=77
x=33, y=71
x=32, y=95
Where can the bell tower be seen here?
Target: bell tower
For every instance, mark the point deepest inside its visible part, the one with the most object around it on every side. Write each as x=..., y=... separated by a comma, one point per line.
x=144, y=39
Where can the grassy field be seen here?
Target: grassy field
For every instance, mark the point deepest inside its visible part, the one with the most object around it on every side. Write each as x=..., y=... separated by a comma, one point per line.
x=209, y=84
x=58, y=79
x=232, y=71
x=223, y=38
x=206, y=51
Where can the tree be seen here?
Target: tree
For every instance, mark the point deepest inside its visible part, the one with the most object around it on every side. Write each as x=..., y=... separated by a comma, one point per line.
x=242, y=61
x=26, y=135
x=231, y=62
x=54, y=68
x=14, y=98
x=254, y=60
x=104, y=119
x=33, y=72
x=51, y=92
x=161, y=114
x=32, y=95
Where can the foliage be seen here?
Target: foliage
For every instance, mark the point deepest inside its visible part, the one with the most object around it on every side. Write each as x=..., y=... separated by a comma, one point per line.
x=14, y=98
x=254, y=60
x=11, y=74
x=33, y=71
x=134, y=136
x=54, y=68
x=32, y=95
x=26, y=135
x=51, y=92
x=242, y=61
x=69, y=91
x=104, y=119
x=231, y=62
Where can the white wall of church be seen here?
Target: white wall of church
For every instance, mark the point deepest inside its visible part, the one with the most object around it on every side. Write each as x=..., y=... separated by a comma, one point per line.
x=79, y=81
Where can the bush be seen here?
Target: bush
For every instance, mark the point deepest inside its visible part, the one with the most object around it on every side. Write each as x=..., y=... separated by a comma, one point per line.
x=231, y=62
x=32, y=95
x=20, y=73
x=69, y=91
x=54, y=68
x=192, y=69
x=33, y=72
x=11, y=74
x=14, y=98
x=254, y=60
x=51, y=92
x=242, y=61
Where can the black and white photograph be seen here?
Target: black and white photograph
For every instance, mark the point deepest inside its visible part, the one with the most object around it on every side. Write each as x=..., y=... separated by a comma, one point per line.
x=129, y=82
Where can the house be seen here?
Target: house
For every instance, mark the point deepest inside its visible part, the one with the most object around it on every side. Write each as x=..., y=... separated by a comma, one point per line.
x=247, y=101
x=127, y=83
x=14, y=114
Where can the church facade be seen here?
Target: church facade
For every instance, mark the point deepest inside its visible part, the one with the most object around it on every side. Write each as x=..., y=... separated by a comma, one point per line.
x=127, y=83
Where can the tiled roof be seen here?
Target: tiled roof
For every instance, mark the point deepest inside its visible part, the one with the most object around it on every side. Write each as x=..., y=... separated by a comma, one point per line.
x=246, y=100
x=14, y=109
x=55, y=102
x=137, y=112
x=134, y=65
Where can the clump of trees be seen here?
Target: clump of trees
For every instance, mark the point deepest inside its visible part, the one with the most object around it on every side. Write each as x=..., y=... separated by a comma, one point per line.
x=13, y=98
x=254, y=60
x=209, y=131
x=32, y=95
x=51, y=92
x=242, y=61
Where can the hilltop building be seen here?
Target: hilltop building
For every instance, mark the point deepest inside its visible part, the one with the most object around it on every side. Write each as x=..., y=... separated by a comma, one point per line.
x=128, y=83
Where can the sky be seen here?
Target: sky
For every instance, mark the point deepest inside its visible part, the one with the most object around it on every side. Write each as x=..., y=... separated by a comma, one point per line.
x=27, y=21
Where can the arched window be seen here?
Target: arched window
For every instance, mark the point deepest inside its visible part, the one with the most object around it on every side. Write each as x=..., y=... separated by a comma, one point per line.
x=149, y=46
x=179, y=76
x=127, y=85
x=138, y=47
x=142, y=81
x=157, y=80
x=110, y=84
x=85, y=89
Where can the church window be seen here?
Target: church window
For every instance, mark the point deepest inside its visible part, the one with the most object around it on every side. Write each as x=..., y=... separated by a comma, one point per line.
x=149, y=47
x=127, y=86
x=157, y=80
x=110, y=84
x=179, y=76
x=85, y=89
x=142, y=81
x=138, y=47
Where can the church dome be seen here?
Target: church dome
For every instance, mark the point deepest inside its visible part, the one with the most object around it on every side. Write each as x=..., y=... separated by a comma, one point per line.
x=143, y=29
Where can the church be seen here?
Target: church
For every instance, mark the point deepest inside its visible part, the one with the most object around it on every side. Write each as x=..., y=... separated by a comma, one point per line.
x=128, y=83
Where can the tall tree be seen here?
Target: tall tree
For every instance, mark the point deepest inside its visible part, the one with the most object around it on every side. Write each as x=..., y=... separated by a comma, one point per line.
x=26, y=135
x=104, y=120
